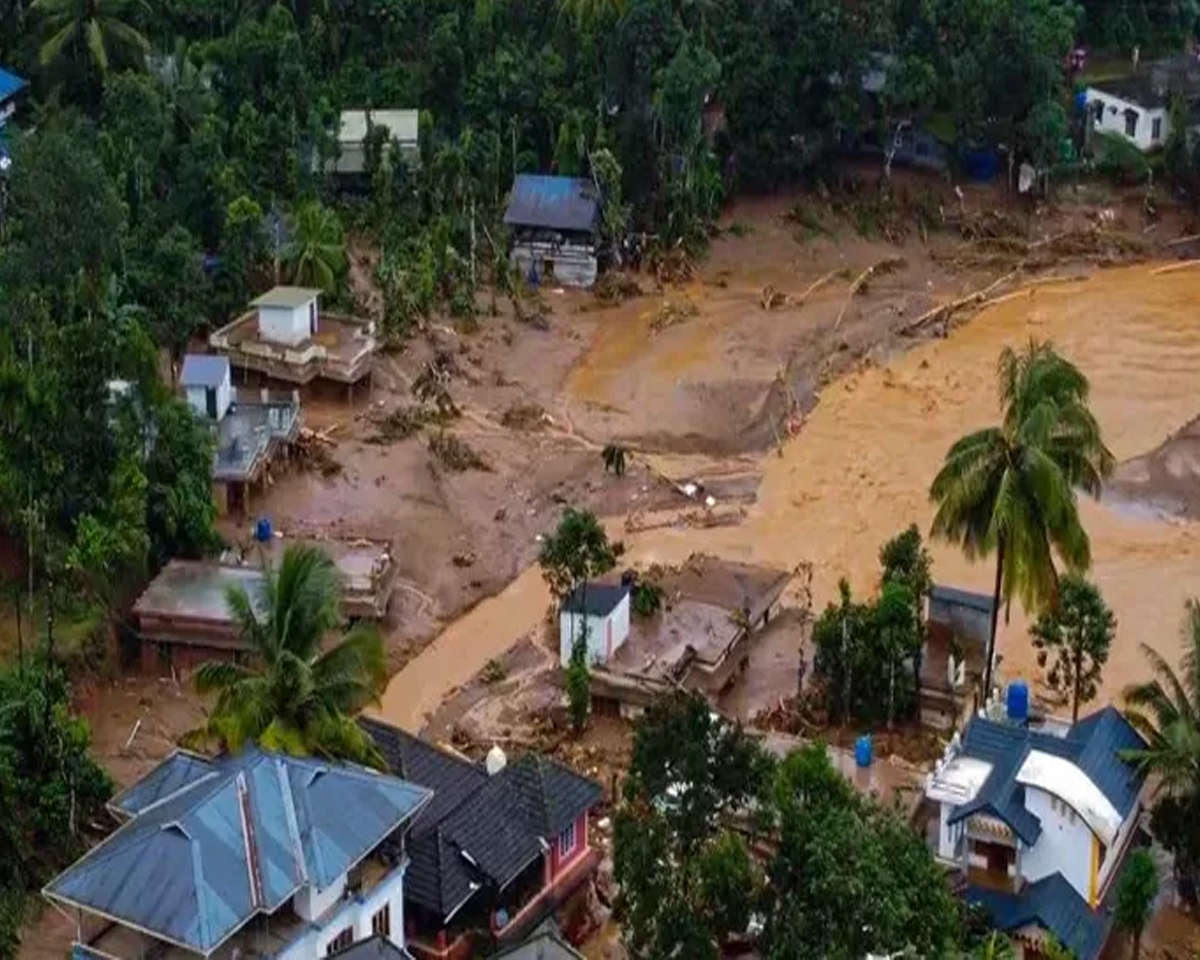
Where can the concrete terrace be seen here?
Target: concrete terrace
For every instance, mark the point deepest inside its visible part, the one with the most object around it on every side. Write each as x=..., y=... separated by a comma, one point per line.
x=250, y=433
x=341, y=351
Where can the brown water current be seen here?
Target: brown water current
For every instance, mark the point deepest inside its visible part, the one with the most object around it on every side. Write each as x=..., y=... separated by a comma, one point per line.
x=860, y=470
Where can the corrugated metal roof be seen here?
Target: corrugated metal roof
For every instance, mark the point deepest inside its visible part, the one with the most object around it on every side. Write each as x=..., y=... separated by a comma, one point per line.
x=181, y=769
x=373, y=948
x=553, y=203
x=402, y=125
x=240, y=839
x=286, y=297
x=10, y=84
x=203, y=370
x=1093, y=745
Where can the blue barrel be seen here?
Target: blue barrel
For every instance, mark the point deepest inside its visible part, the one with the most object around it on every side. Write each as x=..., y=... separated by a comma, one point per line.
x=1018, y=701
x=1081, y=103
x=262, y=530
x=863, y=752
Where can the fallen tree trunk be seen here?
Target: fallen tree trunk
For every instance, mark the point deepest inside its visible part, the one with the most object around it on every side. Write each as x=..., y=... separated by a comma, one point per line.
x=945, y=310
x=885, y=265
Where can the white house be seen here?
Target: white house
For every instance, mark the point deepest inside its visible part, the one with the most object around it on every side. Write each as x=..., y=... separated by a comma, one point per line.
x=1040, y=820
x=208, y=385
x=1138, y=107
x=250, y=855
x=603, y=609
x=403, y=129
x=288, y=315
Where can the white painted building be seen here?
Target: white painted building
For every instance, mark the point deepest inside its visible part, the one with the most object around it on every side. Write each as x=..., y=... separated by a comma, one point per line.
x=403, y=130
x=1040, y=820
x=601, y=609
x=288, y=315
x=207, y=383
x=1145, y=124
x=254, y=855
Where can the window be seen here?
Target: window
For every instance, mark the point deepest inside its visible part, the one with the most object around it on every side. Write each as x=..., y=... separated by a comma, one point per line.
x=566, y=842
x=381, y=923
x=342, y=941
x=1156, y=129
x=1131, y=119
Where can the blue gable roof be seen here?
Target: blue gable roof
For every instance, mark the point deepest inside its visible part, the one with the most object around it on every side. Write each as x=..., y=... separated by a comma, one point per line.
x=179, y=869
x=553, y=203
x=1052, y=904
x=10, y=84
x=1093, y=744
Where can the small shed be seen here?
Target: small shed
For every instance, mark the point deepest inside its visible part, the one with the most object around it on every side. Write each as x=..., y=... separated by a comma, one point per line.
x=208, y=384
x=555, y=223
x=288, y=315
x=604, y=608
x=403, y=129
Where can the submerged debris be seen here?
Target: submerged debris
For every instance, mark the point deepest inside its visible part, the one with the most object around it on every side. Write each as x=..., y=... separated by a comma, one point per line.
x=671, y=312
x=525, y=416
x=454, y=454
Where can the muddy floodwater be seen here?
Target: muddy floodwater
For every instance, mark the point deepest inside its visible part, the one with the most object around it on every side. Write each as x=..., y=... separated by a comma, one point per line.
x=861, y=466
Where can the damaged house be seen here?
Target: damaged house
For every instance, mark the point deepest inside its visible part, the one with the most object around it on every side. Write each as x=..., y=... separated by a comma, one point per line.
x=555, y=224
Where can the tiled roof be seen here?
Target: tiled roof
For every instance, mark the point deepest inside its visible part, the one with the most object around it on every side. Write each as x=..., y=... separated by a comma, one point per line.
x=545, y=943
x=373, y=948
x=595, y=599
x=481, y=830
x=553, y=203
x=1093, y=744
x=203, y=370
x=179, y=869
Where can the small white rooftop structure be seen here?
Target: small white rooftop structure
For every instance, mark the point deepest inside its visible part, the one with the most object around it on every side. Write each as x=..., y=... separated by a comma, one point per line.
x=403, y=127
x=288, y=315
x=495, y=761
x=958, y=780
x=1061, y=778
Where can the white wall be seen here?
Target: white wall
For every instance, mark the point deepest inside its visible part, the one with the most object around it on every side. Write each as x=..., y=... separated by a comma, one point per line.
x=198, y=400
x=598, y=632
x=1063, y=847
x=1114, y=122
x=949, y=834
x=356, y=913
x=290, y=325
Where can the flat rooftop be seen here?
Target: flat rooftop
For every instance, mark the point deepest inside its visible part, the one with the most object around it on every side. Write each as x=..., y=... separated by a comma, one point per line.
x=196, y=590
x=245, y=435
x=291, y=297
x=362, y=561
x=341, y=350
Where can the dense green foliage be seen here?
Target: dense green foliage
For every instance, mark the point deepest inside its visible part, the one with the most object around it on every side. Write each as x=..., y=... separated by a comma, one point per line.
x=1136, y=891
x=1010, y=490
x=1072, y=638
x=50, y=788
x=575, y=553
x=843, y=877
x=298, y=694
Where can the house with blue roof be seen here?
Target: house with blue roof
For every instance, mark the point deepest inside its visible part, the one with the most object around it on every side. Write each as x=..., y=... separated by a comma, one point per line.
x=11, y=87
x=1040, y=819
x=252, y=855
x=555, y=224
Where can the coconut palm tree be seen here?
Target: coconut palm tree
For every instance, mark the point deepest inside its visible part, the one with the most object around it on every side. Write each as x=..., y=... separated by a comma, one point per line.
x=295, y=696
x=315, y=252
x=1166, y=711
x=96, y=30
x=1011, y=489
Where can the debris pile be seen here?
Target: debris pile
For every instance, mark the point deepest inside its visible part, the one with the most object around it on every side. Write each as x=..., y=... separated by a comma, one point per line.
x=525, y=416
x=455, y=454
x=672, y=312
x=314, y=450
x=615, y=286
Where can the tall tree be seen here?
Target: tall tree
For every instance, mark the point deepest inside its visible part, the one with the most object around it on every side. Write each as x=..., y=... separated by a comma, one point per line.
x=298, y=694
x=1011, y=489
x=315, y=253
x=577, y=551
x=98, y=31
x=1136, y=891
x=1072, y=637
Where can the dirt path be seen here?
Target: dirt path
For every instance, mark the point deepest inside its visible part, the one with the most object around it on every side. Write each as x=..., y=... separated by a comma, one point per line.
x=860, y=469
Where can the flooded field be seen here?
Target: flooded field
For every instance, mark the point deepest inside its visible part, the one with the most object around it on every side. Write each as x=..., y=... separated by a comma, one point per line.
x=860, y=469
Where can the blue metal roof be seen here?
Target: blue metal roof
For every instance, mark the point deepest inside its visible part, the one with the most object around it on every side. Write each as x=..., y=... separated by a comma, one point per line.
x=553, y=203
x=10, y=84
x=203, y=370
x=179, y=869
x=1093, y=744
x=595, y=599
x=1052, y=904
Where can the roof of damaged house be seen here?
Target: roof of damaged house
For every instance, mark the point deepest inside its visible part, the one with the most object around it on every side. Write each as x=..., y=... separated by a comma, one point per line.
x=545, y=943
x=479, y=830
x=203, y=370
x=553, y=203
x=178, y=869
x=595, y=599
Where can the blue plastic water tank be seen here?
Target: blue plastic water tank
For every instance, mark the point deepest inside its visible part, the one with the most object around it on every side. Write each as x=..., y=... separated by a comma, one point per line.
x=1018, y=701
x=863, y=752
x=262, y=530
x=1081, y=103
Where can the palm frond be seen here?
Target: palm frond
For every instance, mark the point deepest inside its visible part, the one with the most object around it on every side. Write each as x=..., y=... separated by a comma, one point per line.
x=56, y=43
x=218, y=675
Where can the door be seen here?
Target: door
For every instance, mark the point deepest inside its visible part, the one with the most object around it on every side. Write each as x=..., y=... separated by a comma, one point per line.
x=312, y=318
x=210, y=402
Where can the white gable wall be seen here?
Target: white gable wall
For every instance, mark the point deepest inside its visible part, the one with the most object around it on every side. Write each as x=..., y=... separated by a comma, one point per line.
x=290, y=325
x=197, y=398
x=1064, y=846
x=1111, y=119
x=339, y=911
x=605, y=634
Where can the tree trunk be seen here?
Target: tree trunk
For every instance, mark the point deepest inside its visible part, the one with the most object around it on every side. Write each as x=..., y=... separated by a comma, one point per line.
x=1075, y=692
x=991, y=644
x=892, y=694
x=1137, y=944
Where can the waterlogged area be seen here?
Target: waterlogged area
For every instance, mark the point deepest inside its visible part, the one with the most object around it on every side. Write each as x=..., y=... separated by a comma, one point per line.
x=860, y=470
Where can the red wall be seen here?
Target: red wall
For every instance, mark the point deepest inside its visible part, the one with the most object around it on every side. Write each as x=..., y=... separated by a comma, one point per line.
x=557, y=865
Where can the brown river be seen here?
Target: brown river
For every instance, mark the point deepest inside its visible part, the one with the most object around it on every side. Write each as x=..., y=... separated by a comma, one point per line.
x=860, y=470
